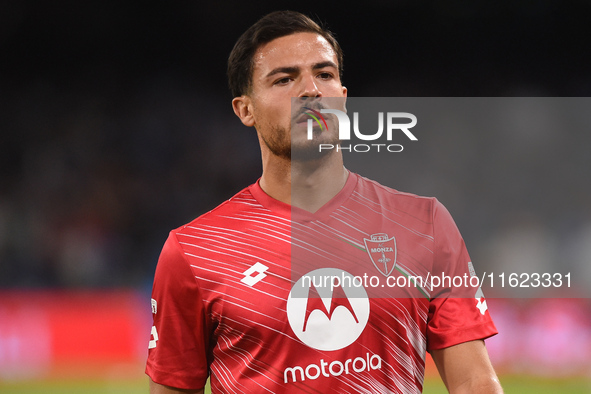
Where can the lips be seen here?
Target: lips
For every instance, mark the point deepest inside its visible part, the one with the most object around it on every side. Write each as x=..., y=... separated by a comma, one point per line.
x=303, y=118
x=306, y=113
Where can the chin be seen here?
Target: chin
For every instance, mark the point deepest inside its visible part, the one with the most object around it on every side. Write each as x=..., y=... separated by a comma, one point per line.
x=310, y=152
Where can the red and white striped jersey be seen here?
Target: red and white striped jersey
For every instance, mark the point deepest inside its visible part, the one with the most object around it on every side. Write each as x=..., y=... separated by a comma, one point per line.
x=265, y=298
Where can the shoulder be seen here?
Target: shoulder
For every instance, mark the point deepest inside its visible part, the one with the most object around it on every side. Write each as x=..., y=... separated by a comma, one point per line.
x=239, y=205
x=211, y=228
x=239, y=222
x=389, y=198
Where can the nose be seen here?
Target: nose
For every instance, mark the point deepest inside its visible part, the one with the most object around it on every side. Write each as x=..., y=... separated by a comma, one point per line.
x=310, y=88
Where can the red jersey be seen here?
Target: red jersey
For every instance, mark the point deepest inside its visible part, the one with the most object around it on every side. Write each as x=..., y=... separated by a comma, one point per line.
x=263, y=297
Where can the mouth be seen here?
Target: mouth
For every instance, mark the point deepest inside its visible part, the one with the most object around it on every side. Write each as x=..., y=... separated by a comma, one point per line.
x=303, y=118
x=310, y=114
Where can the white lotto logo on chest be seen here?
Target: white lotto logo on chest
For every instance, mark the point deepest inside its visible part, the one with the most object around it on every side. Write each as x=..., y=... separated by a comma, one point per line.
x=325, y=316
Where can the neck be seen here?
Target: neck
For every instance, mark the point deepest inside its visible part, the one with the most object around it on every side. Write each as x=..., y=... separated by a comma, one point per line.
x=307, y=185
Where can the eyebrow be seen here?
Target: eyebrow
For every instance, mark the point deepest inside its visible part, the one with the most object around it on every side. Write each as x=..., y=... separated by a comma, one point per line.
x=291, y=70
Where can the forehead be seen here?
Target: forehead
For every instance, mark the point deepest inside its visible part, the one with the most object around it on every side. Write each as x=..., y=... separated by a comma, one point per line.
x=294, y=50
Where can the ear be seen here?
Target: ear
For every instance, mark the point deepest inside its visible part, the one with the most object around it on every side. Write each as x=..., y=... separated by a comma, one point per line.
x=344, y=91
x=242, y=109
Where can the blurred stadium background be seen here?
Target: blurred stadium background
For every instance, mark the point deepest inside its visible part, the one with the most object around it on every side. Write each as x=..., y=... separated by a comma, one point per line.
x=116, y=126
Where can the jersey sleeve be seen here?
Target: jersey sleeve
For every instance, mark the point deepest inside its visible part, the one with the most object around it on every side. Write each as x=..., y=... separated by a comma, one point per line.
x=177, y=354
x=457, y=313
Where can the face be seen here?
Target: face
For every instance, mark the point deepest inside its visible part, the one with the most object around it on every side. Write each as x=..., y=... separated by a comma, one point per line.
x=301, y=65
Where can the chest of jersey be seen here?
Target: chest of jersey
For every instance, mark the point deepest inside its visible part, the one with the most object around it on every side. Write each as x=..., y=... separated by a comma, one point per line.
x=312, y=300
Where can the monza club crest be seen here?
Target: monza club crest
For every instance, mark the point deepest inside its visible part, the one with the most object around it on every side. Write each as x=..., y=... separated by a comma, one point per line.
x=382, y=252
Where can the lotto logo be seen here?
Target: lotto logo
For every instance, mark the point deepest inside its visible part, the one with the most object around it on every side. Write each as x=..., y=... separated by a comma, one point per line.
x=251, y=280
x=154, y=336
x=480, y=301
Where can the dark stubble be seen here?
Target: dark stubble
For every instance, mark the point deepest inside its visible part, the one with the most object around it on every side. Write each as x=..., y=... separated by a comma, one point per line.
x=280, y=144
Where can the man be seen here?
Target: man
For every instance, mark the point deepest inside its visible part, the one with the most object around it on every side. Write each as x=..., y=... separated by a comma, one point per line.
x=225, y=304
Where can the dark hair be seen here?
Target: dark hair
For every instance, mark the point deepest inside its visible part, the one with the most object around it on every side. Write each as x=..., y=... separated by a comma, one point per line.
x=271, y=26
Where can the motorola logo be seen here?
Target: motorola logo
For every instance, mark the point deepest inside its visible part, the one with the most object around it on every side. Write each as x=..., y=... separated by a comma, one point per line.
x=327, y=317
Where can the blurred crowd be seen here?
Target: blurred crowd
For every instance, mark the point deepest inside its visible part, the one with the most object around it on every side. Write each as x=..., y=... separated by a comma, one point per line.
x=92, y=180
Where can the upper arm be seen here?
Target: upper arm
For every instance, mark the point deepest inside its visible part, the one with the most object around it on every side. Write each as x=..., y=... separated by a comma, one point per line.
x=156, y=388
x=177, y=354
x=466, y=368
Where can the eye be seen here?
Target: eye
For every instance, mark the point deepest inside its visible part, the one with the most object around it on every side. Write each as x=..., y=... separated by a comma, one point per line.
x=325, y=75
x=282, y=81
